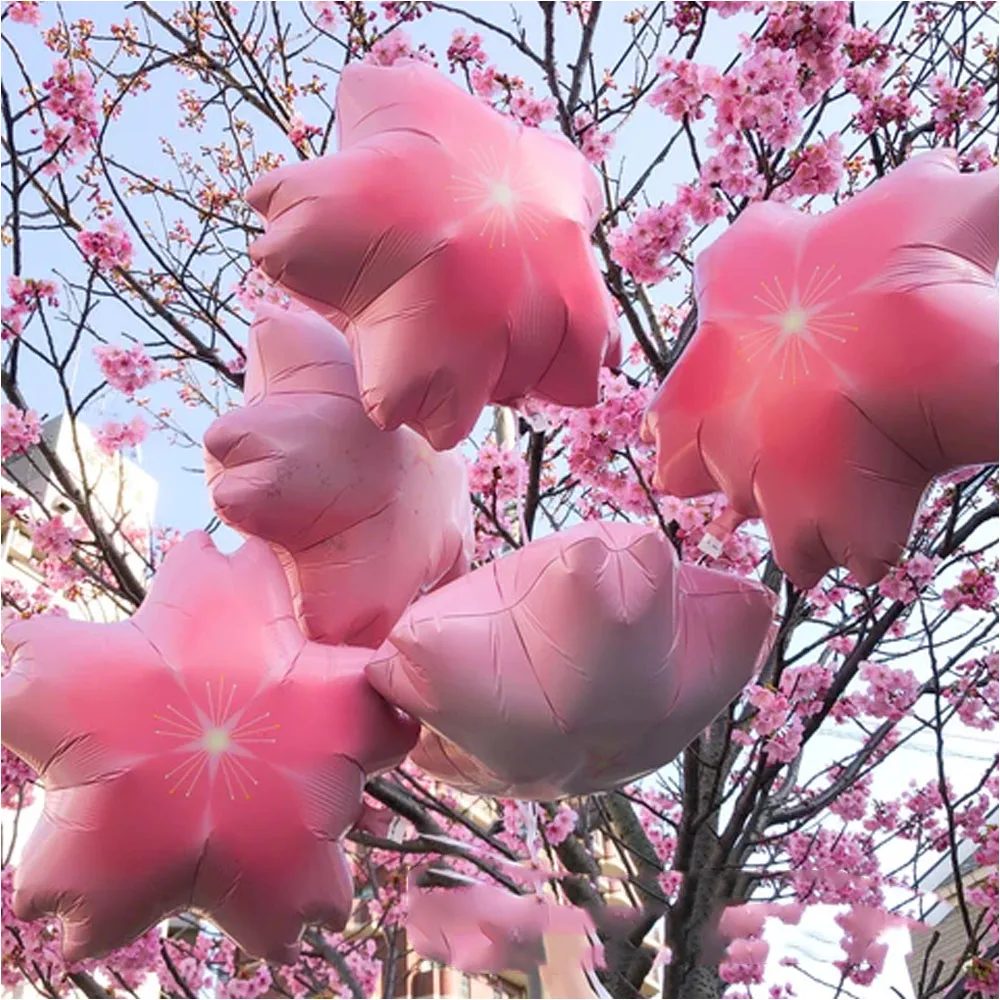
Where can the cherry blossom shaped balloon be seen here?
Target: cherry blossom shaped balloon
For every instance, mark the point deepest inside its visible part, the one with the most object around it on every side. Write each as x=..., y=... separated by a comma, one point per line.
x=580, y=662
x=480, y=928
x=363, y=520
x=452, y=247
x=841, y=362
x=200, y=756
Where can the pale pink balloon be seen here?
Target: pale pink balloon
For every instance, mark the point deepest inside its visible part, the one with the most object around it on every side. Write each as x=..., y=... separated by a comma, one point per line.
x=202, y=756
x=582, y=661
x=363, y=520
x=486, y=929
x=451, y=245
x=841, y=362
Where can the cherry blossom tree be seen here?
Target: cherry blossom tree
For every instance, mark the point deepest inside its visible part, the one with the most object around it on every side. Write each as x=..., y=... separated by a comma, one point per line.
x=130, y=135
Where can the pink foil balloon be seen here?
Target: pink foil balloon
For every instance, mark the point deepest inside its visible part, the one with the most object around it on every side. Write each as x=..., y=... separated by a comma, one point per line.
x=200, y=756
x=580, y=662
x=486, y=929
x=362, y=519
x=451, y=245
x=841, y=362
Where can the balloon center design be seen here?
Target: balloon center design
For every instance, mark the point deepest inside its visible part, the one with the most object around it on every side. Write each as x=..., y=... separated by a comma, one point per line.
x=215, y=742
x=796, y=320
x=492, y=189
x=502, y=195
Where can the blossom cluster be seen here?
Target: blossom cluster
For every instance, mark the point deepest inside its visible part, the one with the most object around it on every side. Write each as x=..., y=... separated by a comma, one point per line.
x=71, y=106
x=976, y=590
x=53, y=537
x=300, y=131
x=465, y=49
x=26, y=295
x=21, y=429
x=594, y=144
x=890, y=693
x=905, y=581
x=395, y=47
x=114, y=436
x=954, y=106
x=24, y=12
x=126, y=369
x=561, y=825
x=106, y=248
x=975, y=692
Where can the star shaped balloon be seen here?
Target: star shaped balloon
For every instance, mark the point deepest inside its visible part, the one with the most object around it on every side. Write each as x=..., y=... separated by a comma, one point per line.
x=200, y=756
x=362, y=519
x=452, y=247
x=841, y=362
x=580, y=662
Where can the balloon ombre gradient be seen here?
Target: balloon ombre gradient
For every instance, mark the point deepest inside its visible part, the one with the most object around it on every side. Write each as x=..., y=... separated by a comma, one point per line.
x=841, y=362
x=578, y=663
x=452, y=247
x=363, y=520
x=201, y=756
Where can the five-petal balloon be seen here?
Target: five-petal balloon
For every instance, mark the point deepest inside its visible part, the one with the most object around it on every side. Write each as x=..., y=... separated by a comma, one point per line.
x=582, y=661
x=452, y=247
x=362, y=519
x=200, y=756
x=841, y=362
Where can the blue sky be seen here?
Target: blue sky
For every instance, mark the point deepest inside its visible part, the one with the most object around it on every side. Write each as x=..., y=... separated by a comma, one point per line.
x=135, y=139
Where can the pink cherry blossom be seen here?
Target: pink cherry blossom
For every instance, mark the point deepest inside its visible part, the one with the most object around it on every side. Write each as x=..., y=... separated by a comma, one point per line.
x=26, y=295
x=326, y=15
x=594, y=144
x=21, y=429
x=785, y=745
x=976, y=590
x=701, y=202
x=955, y=105
x=891, y=691
x=818, y=169
x=497, y=473
x=975, y=693
x=53, y=537
x=126, y=369
x=561, y=825
x=685, y=87
x=529, y=109
x=865, y=953
x=394, y=47
x=485, y=83
x=670, y=883
x=814, y=32
x=646, y=248
x=465, y=49
x=299, y=131
x=13, y=504
x=804, y=686
x=115, y=436
x=106, y=248
x=72, y=107
x=25, y=12
x=904, y=582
